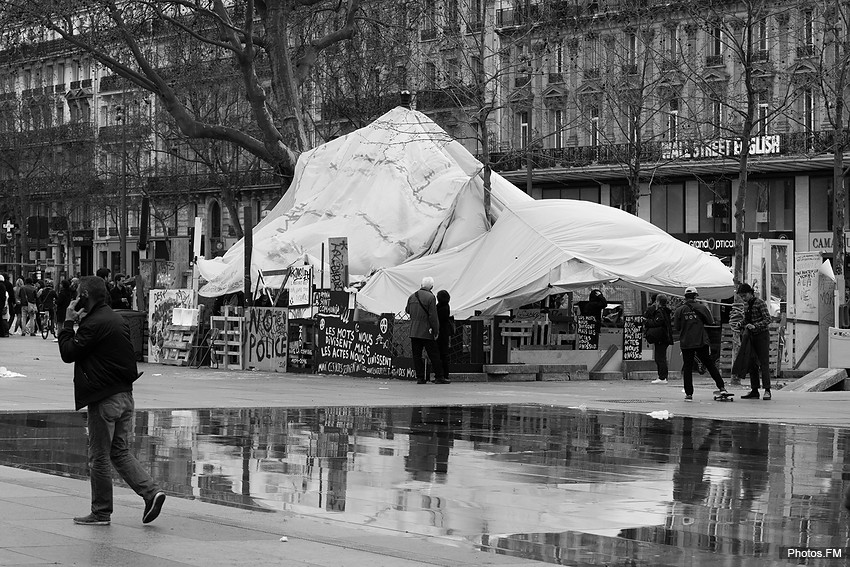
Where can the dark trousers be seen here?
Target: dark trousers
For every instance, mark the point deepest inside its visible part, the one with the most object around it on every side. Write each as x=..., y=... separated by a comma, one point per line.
x=660, y=356
x=110, y=425
x=704, y=354
x=443, y=348
x=760, y=363
x=430, y=347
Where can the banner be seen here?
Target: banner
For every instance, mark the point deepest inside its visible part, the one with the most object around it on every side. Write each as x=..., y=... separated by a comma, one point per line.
x=338, y=262
x=806, y=266
x=327, y=302
x=265, y=341
x=358, y=348
x=161, y=304
x=632, y=337
x=299, y=284
x=587, y=338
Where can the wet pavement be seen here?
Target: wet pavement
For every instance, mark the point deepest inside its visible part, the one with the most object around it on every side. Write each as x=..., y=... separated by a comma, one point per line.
x=533, y=482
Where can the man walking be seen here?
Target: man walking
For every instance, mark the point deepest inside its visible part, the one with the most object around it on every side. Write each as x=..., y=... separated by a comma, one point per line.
x=29, y=310
x=424, y=330
x=104, y=372
x=690, y=319
x=757, y=325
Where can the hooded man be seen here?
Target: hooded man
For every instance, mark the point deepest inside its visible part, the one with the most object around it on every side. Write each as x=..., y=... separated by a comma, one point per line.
x=690, y=320
x=104, y=372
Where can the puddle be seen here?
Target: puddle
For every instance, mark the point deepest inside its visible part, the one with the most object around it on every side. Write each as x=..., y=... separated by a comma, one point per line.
x=558, y=485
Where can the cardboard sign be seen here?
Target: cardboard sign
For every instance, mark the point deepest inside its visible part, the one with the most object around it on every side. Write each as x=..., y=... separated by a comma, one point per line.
x=338, y=262
x=587, y=337
x=300, y=284
x=327, y=302
x=806, y=266
x=300, y=348
x=265, y=338
x=632, y=337
x=162, y=303
x=357, y=348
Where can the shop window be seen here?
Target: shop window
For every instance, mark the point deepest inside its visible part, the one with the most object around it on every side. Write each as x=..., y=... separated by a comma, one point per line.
x=769, y=205
x=667, y=207
x=715, y=206
x=576, y=193
x=821, y=204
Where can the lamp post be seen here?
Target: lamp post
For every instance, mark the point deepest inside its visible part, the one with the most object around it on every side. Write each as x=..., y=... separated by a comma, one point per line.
x=121, y=116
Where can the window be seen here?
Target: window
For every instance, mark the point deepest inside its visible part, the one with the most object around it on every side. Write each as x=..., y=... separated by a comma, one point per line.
x=761, y=113
x=452, y=71
x=761, y=30
x=631, y=48
x=523, y=129
x=430, y=76
x=769, y=205
x=575, y=193
x=715, y=206
x=557, y=122
x=809, y=110
x=809, y=28
x=557, y=59
x=716, y=41
x=591, y=52
x=673, y=120
x=716, y=109
x=667, y=207
x=672, y=47
x=477, y=70
x=594, y=125
x=821, y=201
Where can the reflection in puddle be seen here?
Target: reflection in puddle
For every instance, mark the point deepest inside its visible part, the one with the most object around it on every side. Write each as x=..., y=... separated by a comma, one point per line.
x=551, y=484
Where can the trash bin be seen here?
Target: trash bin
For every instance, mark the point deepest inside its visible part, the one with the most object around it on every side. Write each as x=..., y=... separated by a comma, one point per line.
x=136, y=322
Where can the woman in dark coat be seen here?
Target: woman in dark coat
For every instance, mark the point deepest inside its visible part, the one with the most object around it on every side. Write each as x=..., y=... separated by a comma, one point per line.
x=447, y=331
x=63, y=300
x=659, y=329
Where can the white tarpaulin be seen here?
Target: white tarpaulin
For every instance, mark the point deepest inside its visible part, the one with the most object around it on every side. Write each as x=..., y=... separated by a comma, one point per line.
x=539, y=248
x=398, y=189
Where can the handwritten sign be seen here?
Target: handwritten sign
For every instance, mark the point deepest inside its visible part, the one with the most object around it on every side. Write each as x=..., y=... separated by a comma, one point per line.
x=806, y=266
x=265, y=339
x=632, y=337
x=357, y=348
x=338, y=262
x=327, y=302
x=299, y=284
x=162, y=303
x=587, y=338
x=300, y=346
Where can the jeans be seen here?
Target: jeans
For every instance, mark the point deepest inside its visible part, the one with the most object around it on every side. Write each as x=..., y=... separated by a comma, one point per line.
x=430, y=347
x=29, y=313
x=660, y=356
x=704, y=354
x=760, y=363
x=110, y=425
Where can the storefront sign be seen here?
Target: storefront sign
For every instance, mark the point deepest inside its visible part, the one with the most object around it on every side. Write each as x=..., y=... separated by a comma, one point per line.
x=632, y=337
x=358, y=348
x=822, y=241
x=723, y=243
x=266, y=339
x=82, y=237
x=760, y=145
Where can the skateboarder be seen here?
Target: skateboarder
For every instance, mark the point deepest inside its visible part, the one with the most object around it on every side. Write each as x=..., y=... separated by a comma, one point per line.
x=690, y=319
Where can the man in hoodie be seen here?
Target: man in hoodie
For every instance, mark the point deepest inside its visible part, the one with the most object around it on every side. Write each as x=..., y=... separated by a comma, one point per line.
x=690, y=320
x=104, y=372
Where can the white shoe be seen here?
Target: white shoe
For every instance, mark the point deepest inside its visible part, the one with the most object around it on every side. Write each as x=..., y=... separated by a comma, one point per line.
x=658, y=381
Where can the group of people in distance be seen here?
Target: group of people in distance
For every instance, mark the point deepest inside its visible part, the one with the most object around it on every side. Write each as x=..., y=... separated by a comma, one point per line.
x=690, y=319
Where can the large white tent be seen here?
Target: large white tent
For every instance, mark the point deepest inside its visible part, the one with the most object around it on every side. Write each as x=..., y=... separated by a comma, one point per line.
x=410, y=201
x=398, y=189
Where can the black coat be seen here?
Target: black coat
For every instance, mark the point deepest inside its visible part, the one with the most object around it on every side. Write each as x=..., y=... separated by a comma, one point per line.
x=658, y=324
x=102, y=353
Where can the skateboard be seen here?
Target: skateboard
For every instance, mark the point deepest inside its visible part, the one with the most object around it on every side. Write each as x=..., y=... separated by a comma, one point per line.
x=724, y=397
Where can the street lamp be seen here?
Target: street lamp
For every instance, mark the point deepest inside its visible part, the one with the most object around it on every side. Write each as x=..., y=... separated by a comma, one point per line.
x=121, y=116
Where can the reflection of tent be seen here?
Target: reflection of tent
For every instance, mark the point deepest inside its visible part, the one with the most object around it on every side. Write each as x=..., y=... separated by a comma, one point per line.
x=410, y=201
x=542, y=247
x=398, y=188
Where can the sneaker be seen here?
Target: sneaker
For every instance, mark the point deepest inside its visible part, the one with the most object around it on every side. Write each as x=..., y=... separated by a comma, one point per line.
x=766, y=395
x=658, y=381
x=91, y=520
x=442, y=381
x=689, y=398
x=153, y=507
x=718, y=392
x=753, y=395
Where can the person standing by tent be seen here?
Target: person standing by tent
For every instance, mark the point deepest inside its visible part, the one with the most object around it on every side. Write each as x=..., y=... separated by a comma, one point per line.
x=757, y=327
x=447, y=331
x=690, y=320
x=659, y=333
x=593, y=307
x=424, y=330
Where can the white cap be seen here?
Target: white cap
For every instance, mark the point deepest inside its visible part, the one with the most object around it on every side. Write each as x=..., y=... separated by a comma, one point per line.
x=691, y=290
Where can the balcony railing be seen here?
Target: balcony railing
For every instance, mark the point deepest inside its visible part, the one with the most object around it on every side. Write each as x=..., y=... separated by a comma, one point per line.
x=805, y=51
x=555, y=78
x=761, y=55
x=426, y=34
x=474, y=27
x=714, y=60
x=591, y=73
x=630, y=69
x=522, y=80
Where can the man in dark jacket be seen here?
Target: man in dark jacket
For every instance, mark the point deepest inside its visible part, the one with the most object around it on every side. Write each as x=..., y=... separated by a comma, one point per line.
x=757, y=325
x=659, y=329
x=104, y=372
x=29, y=311
x=690, y=320
x=424, y=330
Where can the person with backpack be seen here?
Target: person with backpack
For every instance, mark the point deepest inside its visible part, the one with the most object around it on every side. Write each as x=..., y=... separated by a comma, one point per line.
x=659, y=333
x=690, y=320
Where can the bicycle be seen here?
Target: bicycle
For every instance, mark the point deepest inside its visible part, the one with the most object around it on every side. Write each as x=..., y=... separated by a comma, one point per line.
x=47, y=320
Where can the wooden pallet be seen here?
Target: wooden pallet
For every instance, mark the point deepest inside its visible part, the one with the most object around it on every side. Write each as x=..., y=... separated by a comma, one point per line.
x=227, y=344
x=177, y=345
